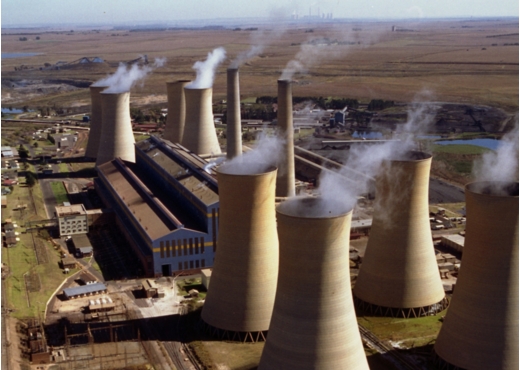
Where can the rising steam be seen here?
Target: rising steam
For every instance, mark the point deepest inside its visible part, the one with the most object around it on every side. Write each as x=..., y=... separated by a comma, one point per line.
x=206, y=69
x=502, y=165
x=127, y=77
x=259, y=160
x=259, y=41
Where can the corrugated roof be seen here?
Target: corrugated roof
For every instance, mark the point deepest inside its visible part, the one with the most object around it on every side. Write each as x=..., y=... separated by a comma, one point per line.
x=84, y=289
x=81, y=241
x=146, y=210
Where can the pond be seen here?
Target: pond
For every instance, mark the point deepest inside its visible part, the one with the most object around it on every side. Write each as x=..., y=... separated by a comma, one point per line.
x=429, y=137
x=367, y=134
x=485, y=143
x=12, y=111
x=18, y=55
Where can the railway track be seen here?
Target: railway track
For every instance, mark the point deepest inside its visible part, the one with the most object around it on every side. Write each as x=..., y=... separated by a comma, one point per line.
x=394, y=356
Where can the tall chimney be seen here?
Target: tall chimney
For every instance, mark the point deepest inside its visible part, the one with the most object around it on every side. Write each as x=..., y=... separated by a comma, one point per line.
x=399, y=275
x=314, y=322
x=174, y=129
x=234, y=122
x=285, y=183
x=480, y=330
x=199, y=132
x=117, y=138
x=240, y=300
x=94, y=134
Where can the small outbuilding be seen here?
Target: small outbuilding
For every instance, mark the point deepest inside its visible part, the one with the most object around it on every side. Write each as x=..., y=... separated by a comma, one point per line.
x=84, y=290
x=68, y=262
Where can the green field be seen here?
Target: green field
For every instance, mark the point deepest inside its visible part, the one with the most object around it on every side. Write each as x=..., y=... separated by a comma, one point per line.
x=59, y=191
x=459, y=149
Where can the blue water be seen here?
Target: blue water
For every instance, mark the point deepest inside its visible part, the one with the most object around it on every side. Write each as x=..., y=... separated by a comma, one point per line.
x=18, y=55
x=485, y=143
x=367, y=134
x=13, y=111
x=429, y=137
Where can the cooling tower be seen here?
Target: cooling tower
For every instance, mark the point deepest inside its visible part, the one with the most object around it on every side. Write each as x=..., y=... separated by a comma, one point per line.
x=175, y=120
x=199, y=131
x=234, y=122
x=117, y=139
x=314, y=322
x=240, y=301
x=285, y=183
x=480, y=330
x=94, y=134
x=399, y=274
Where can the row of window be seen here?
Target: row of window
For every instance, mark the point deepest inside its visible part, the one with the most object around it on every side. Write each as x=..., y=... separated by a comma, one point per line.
x=182, y=247
x=192, y=264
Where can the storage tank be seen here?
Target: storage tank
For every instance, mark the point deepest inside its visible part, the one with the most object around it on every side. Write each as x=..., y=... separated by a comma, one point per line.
x=314, y=323
x=234, y=121
x=175, y=121
x=117, y=139
x=94, y=134
x=199, y=131
x=240, y=301
x=480, y=330
x=285, y=184
x=399, y=275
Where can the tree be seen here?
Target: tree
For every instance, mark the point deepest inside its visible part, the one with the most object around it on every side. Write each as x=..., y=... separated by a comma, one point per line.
x=35, y=144
x=30, y=179
x=23, y=152
x=37, y=37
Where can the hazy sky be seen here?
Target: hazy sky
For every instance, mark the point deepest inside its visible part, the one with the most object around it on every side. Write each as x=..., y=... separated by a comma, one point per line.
x=36, y=12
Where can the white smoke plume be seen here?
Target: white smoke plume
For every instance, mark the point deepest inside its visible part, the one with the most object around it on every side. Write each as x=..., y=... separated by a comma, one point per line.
x=259, y=41
x=265, y=155
x=502, y=165
x=127, y=77
x=206, y=69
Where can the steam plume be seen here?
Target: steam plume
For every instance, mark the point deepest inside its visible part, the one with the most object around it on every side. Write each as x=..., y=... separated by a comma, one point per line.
x=264, y=156
x=259, y=41
x=127, y=77
x=502, y=165
x=206, y=69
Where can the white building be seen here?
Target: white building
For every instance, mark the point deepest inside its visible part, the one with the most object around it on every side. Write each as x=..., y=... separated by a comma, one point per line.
x=72, y=219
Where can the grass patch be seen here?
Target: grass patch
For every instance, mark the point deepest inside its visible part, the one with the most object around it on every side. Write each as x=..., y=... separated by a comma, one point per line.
x=459, y=149
x=59, y=191
x=21, y=260
x=229, y=355
x=64, y=168
x=185, y=285
x=141, y=137
x=250, y=100
x=407, y=332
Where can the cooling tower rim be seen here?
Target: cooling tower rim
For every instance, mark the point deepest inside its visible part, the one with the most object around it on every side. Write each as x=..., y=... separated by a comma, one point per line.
x=494, y=189
x=197, y=88
x=115, y=93
x=411, y=156
x=284, y=81
x=232, y=68
x=296, y=214
x=178, y=81
x=269, y=169
x=94, y=86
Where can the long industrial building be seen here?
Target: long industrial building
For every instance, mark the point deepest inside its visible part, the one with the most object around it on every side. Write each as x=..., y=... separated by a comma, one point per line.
x=166, y=206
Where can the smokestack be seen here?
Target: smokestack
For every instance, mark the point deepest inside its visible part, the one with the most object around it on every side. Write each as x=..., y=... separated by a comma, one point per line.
x=285, y=183
x=94, y=135
x=399, y=275
x=199, y=132
x=240, y=300
x=480, y=330
x=176, y=118
x=234, y=122
x=117, y=139
x=314, y=323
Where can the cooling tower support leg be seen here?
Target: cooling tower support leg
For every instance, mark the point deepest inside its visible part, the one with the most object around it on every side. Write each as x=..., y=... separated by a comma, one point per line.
x=235, y=336
x=406, y=313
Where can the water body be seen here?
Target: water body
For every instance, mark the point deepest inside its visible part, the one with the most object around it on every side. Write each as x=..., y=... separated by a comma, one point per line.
x=11, y=111
x=485, y=143
x=429, y=137
x=18, y=55
x=367, y=134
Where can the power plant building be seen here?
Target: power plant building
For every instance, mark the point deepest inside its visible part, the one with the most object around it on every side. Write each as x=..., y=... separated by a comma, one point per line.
x=166, y=206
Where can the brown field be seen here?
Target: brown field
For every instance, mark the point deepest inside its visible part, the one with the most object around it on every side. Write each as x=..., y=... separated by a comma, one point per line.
x=458, y=61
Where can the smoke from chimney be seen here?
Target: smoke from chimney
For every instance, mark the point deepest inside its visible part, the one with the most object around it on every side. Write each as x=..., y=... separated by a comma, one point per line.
x=206, y=69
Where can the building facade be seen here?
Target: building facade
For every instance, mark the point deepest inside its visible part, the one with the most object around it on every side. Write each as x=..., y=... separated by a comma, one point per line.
x=72, y=219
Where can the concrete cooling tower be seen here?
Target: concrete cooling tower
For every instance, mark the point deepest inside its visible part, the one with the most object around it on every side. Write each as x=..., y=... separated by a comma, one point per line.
x=314, y=322
x=480, y=330
x=240, y=300
x=399, y=274
x=117, y=139
x=285, y=184
x=174, y=129
x=199, y=131
x=234, y=122
x=94, y=134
